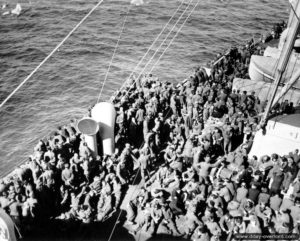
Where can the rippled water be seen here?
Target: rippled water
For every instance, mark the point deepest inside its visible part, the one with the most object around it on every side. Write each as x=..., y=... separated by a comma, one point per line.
x=70, y=81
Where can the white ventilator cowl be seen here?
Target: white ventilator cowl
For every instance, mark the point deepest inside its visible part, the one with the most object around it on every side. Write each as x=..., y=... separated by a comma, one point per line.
x=104, y=114
x=89, y=128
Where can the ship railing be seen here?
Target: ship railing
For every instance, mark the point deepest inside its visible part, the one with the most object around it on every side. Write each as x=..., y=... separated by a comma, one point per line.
x=12, y=174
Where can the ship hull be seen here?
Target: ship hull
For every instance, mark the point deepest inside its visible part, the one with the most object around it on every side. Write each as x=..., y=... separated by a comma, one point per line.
x=262, y=89
x=281, y=136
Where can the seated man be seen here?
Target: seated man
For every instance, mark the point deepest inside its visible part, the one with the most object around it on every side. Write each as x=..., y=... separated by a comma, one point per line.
x=264, y=213
x=160, y=176
x=104, y=206
x=169, y=220
x=145, y=220
x=67, y=175
x=191, y=223
x=137, y=204
x=172, y=183
x=122, y=172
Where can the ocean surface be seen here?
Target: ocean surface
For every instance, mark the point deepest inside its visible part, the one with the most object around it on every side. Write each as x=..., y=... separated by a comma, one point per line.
x=70, y=81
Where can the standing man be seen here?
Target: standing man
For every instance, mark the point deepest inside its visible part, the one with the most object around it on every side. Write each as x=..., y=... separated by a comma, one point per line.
x=143, y=162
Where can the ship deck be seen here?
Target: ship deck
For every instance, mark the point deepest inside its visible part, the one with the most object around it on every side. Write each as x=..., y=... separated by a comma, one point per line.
x=61, y=230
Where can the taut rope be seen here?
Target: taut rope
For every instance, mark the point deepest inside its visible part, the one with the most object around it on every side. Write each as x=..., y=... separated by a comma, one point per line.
x=49, y=55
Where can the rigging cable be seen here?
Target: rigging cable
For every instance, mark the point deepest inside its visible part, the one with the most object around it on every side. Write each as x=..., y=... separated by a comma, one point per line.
x=159, y=47
x=286, y=82
x=275, y=67
x=174, y=37
x=156, y=39
x=49, y=55
x=166, y=47
x=112, y=58
x=153, y=43
x=293, y=89
x=294, y=11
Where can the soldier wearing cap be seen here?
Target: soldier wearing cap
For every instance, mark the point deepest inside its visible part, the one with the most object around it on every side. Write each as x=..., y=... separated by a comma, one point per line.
x=140, y=115
x=241, y=192
x=290, y=173
x=228, y=137
x=187, y=152
x=122, y=172
x=265, y=164
x=276, y=181
x=156, y=215
x=264, y=196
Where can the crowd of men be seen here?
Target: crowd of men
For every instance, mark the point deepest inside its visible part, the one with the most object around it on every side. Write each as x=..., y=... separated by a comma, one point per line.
x=190, y=144
x=196, y=136
x=63, y=180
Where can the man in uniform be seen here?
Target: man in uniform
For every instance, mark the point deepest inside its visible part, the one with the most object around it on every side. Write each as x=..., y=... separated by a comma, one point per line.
x=191, y=223
x=117, y=191
x=264, y=213
x=136, y=204
x=143, y=161
x=122, y=172
x=170, y=220
x=146, y=219
x=156, y=217
x=104, y=206
x=241, y=192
